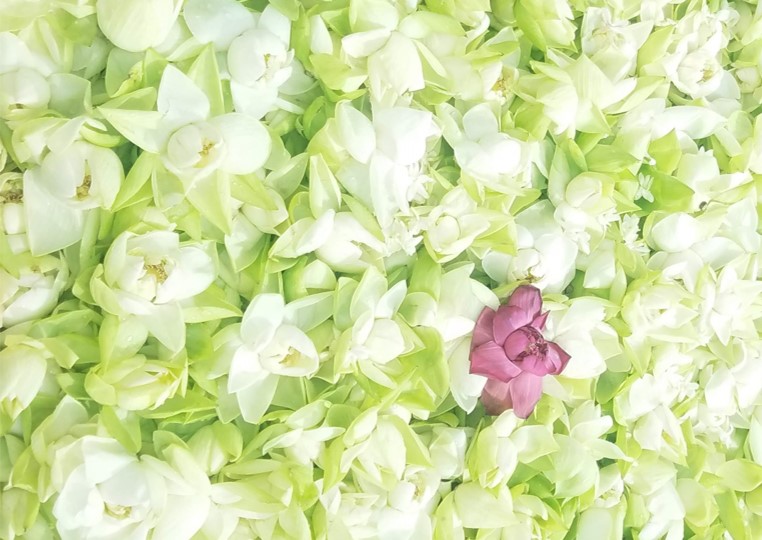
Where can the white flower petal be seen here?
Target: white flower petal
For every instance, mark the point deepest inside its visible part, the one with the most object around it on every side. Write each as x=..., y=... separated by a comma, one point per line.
x=217, y=21
x=180, y=100
x=247, y=143
x=356, y=132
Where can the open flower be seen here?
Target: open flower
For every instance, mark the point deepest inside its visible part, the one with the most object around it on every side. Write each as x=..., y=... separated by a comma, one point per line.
x=508, y=349
x=193, y=142
x=271, y=342
x=146, y=276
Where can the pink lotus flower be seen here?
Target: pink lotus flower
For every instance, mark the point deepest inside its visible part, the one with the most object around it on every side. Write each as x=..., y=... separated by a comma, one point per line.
x=508, y=349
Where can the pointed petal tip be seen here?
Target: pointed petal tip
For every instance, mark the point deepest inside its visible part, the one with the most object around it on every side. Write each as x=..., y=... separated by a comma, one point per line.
x=528, y=298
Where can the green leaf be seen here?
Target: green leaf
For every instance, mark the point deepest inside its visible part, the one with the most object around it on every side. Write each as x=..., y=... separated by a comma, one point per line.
x=740, y=475
x=730, y=515
x=205, y=74
x=125, y=430
x=527, y=23
x=211, y=197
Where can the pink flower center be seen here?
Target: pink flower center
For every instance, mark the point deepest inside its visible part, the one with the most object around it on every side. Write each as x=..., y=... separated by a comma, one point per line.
x=534, y=344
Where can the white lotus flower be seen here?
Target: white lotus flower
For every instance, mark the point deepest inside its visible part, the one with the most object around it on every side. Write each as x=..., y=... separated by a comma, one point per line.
x=373, y=335
x=13, y=212
x=691, y=60
x=730, y=305
x=31, y=290
x=192, y=143
x=337, y=239
x=545, y=256
x=660, y=310
x=136, y=25
x=73, y=178
x=148, y=275
x=481, y=149
x=699, y=73
x=581, y=331
x=24, y=75
x=700, y=171
x=306, y=440
x=261, y=64
x=645, y=409
x=387, y=154
x=393, y=63
x=611, y=43
x=105, y=492
x=269, y=345
x=587, y=209
x=24, y=366
x=454, y=225
x=448, y=450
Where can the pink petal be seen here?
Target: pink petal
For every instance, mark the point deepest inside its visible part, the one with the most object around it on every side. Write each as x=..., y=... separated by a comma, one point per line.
x=557, y=358
x=508, y=319
x=539, y=321
x=516, y=343
x=496, y=397
x=489, y=360
x=483, y=329
x=536, y=364
x=525, y=391
x=527, y=298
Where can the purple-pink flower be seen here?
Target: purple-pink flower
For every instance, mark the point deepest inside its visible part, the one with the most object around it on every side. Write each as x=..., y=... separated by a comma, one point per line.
x=508, y=349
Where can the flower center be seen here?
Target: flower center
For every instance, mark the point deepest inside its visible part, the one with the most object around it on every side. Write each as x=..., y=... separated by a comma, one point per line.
x=83, y=190
x=206, y=148
x=14, y=195
x=118, y=511
x=500, y=86
x=158, y=271
x=290, y=358
x=536, y=344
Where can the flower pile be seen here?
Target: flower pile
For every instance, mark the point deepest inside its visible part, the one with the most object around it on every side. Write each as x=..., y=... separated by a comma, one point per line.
x=374, y=269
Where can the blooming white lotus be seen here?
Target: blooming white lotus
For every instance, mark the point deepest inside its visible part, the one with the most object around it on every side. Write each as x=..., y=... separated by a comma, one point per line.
x=545, y=255
x=23, y=77
x=146, y=276
x=24, y=366
x=454, y=225
x=481, y=148
x=105, y=492
x=192, y=143
x=381, y=38
x=270, y=343
x=387, y=154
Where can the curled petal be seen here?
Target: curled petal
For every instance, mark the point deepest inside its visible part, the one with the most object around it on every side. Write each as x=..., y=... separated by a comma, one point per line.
x=490, y=361
x=557, y=358
x=516, y=343
x=528, y=299
x=520, y=394
x=537, y=364
x=525, y=391
x=496, y=397
x=507, y=320
x=539, y=321
x=483, y=329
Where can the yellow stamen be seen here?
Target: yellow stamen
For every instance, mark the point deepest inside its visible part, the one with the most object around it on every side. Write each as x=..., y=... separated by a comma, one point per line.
x=290, y=359
x=12, y=196
x=158, y=271
x=83, y=190
x=118, y=511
